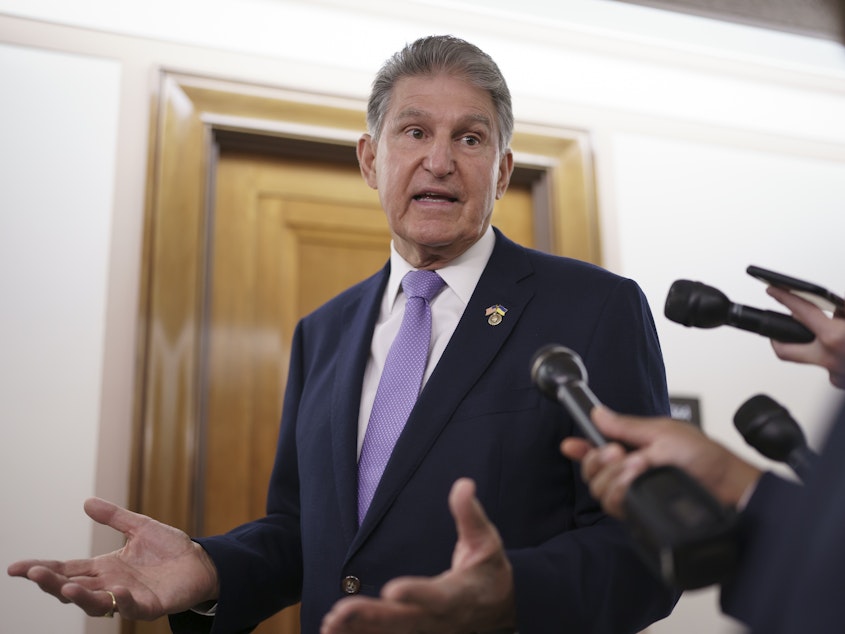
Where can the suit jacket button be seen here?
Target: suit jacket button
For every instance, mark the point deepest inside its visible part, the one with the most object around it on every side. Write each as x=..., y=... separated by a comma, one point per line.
x=351, y=585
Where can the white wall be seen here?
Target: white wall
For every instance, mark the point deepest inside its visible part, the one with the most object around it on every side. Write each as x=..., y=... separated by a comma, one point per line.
x=716, y=146
x=699, y=211
x=57, y=166
x=705, y=212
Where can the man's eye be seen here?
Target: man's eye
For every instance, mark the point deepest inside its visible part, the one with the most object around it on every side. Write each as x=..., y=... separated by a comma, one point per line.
x=415, y=133
x=471, y=140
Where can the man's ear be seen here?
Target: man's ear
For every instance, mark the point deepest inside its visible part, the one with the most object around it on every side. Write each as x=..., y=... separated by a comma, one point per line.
x=505, y=171
x=366, y=151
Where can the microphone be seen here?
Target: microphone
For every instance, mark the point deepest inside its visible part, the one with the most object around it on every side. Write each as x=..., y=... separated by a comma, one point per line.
x=695, y=304
x=560, y=374
x=770, y=429
x=681, y=531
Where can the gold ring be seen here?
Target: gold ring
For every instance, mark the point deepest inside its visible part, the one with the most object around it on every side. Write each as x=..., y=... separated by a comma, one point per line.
x=110, y=613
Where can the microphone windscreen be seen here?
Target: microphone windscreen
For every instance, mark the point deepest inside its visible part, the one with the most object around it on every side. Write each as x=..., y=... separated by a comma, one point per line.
x=554, y=363
x=695, y=304
x=768, y=426
x=754, y=412
x=677, y=306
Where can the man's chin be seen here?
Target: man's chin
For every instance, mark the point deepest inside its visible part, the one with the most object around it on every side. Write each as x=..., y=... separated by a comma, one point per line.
x=427, y=249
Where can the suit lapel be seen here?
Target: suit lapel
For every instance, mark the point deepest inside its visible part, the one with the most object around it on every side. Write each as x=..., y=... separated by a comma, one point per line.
x=358, y=320
x=506, y=281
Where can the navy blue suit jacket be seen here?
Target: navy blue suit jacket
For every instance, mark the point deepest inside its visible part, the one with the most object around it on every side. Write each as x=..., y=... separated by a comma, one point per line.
x=478, y=416
x=791, y=578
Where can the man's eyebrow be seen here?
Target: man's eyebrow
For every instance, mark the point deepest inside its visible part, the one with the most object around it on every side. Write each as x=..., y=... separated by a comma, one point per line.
x=480, y=118
x=413, y=113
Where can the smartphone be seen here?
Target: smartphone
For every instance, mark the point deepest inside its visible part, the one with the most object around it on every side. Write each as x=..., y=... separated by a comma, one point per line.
x=814, y=293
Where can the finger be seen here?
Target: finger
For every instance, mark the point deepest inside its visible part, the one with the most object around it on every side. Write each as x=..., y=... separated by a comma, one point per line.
x=471, y=521
x=21, y=568
x=100, y=602
x=598, y=460
x=48, y=580
x=365, y=615
x=798, y=352
x=64, y=569
x=616, y=492
x=425, y=592
x=611, y=480
x=575, y=448
x=114, y=516
x=633, y=431
x=599, y=476
x=804, y=311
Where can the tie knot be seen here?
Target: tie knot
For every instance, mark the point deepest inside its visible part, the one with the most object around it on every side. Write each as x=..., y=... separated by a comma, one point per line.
x=423, y=284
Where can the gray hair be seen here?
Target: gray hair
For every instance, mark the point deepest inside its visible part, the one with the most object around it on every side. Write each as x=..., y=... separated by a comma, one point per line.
x=433, y=54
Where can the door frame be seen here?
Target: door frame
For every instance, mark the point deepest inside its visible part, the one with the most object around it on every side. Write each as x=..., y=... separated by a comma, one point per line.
x=190, y=111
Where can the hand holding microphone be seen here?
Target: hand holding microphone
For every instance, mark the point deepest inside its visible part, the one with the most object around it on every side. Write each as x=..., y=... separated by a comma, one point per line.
x=809, y=335
x=694, y=304
x=681, y=530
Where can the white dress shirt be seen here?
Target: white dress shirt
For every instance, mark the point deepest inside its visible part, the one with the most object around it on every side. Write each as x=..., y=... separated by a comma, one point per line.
x=461, y=276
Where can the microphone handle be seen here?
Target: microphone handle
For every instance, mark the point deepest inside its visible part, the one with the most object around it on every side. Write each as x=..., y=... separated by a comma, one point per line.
x=579, y=401
x=769, y=324
x=680, y=529
x=801, y=461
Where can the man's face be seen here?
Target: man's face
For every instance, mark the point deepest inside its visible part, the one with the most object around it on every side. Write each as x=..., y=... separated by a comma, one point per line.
x=437, y=167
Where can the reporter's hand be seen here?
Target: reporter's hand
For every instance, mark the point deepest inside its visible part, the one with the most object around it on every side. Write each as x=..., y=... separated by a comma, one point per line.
x=827, y=350
x=475, y=595
x=158, y=571
x=654, y=442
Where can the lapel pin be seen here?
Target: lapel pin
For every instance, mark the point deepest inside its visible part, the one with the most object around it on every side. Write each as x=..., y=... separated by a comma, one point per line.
x=494, y=314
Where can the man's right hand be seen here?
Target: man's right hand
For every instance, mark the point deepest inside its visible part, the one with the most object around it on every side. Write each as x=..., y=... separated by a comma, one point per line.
x=158, y=571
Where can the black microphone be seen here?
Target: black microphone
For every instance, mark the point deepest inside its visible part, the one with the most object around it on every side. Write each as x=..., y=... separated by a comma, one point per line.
x=560, y=374
x=768, y=426
x=695, y=304
x=681, y=531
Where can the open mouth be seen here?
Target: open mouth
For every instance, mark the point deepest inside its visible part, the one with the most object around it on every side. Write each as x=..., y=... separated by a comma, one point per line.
x=435, y=197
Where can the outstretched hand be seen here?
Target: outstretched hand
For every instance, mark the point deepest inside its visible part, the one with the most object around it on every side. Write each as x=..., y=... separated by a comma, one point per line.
x=827, y=350
x=475, y=595
x=158, y=571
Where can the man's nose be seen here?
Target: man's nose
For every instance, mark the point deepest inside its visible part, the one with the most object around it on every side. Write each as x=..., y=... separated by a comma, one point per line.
x=439, y=159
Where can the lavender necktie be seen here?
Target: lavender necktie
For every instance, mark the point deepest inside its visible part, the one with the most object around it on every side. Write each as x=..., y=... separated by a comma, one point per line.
x=399, y=385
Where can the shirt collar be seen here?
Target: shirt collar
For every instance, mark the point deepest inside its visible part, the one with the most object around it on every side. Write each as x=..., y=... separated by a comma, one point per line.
x=461, y=274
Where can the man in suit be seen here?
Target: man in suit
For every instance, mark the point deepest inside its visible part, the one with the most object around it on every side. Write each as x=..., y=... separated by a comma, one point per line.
x=437, y=151
x=791, y=569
